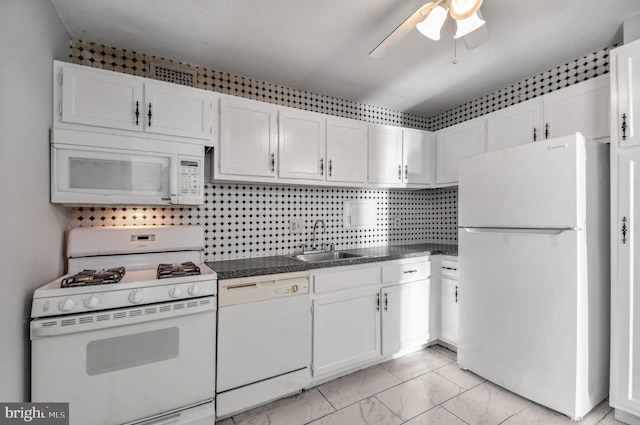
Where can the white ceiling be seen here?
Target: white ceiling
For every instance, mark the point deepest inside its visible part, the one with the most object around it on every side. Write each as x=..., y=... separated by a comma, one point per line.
x=322, y=46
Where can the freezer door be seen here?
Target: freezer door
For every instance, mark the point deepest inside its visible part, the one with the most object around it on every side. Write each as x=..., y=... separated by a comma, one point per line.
x=520, y=306
x=538, y=184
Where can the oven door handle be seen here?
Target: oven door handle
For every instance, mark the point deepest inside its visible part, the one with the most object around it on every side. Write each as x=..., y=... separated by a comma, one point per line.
x=65, y=325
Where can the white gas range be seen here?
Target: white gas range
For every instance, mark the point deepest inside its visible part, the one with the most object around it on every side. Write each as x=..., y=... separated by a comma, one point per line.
x=128, y=335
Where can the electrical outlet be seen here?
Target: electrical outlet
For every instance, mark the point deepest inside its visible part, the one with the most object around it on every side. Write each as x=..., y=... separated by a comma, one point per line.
x=296, y=225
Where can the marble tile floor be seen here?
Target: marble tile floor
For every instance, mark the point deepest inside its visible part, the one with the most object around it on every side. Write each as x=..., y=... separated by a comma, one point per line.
x=422, y=388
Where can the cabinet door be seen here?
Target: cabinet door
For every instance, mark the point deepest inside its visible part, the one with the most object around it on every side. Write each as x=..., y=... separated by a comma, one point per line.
x=449, y=310
x=405, y=316
x=346, y=151
x=625, y=83
x=385, y=154
x=582, y=107
x=454, y=143
x=101, y=98
x=247, y=138
x=625, y=375
x=346, y=330
x=176, y=110
x=418, y=148
x=301, y=145
x=515, y=125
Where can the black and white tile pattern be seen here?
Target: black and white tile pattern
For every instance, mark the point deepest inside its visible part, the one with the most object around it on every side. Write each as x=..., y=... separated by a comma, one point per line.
x=243, y=221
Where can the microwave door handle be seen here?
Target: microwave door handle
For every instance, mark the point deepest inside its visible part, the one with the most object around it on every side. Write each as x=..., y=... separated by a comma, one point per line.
x=173, y=179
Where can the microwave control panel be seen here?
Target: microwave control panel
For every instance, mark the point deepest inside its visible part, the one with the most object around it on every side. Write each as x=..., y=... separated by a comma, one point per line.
x=190, y=177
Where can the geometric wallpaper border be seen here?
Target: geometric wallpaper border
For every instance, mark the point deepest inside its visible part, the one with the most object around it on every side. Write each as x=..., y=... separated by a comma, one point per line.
x=135, y=63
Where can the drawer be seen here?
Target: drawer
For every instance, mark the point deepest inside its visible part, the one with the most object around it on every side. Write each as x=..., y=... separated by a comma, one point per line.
x=406, y=272
x=326, y=281
x=449, y=269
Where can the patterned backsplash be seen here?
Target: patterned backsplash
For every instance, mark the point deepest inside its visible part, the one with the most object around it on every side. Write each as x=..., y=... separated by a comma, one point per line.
x=245, y=220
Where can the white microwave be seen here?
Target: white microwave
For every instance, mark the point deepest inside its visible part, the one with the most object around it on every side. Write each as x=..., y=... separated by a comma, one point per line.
x=107, y=169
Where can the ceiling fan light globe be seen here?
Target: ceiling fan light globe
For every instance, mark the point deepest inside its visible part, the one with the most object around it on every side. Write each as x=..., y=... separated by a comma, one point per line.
x=432, y=24
x=466, y=26
x=463, y=9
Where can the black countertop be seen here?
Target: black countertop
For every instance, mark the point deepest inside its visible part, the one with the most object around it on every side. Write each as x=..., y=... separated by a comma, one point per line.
x=229, y=269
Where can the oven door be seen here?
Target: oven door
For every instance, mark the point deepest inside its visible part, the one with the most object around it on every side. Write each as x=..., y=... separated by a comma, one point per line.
x=126, y=365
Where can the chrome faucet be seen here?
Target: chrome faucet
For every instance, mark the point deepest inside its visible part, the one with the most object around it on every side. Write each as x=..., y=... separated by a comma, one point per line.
x=315, y=228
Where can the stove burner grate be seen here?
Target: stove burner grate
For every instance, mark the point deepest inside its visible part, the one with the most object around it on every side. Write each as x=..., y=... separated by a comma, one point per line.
x=93, y=277
x=175, y=270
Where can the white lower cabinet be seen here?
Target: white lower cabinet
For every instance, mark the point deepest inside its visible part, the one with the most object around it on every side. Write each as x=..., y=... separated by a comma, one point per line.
x=405, y=316
x=365, y=313
x=346, y=330
x=449, y=301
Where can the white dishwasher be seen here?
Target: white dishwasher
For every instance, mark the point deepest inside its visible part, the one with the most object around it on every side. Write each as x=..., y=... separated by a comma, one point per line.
x=264, y=340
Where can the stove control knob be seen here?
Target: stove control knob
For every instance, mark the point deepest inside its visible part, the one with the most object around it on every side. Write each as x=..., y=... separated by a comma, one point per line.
x=67, y=305
x=92, y=302
x=136, y=296
x=175, y=292
x=194, y=290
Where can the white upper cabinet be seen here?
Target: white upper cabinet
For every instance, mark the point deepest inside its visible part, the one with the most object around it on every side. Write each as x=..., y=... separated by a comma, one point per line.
x=346, y=150
x=582, y=107
x=418, y=153
x=99, y=98
x=177, y=110
x=400, y=157
x=113, y=101
x=301, y=144
x=456, y=142
x=515, y=125
x=385, y=154
x=248, y=134
x=625, y=100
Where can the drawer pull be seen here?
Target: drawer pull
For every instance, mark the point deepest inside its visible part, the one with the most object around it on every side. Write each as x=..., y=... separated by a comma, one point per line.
x=410, y=271
x=242, y=286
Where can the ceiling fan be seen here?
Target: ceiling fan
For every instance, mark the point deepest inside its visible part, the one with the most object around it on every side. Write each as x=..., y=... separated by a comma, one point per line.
x=429, y=19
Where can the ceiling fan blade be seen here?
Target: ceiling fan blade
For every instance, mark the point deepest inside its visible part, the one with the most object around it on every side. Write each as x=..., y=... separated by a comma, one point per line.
x=476, y=38
x=402, y=30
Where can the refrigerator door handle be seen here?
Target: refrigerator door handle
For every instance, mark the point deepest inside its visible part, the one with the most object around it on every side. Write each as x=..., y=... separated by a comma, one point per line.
x=523, y=230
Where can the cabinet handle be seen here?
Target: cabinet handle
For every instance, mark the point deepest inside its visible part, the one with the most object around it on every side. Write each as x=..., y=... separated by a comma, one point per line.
x=378, y=301
x=546, y=131
x=330, y=168
x=625, y=229
x=456, y=293
x=406, y=172
x=137, y=112
x=624, y=126
x=273, y=162
x=410, y=271
x=535, y=134
x=386, y=301
x=399, y=172
x=321, y=166
x=149, y=114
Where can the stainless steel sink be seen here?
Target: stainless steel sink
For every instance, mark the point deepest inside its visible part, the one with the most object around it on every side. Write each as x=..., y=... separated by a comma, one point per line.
x=323, y=256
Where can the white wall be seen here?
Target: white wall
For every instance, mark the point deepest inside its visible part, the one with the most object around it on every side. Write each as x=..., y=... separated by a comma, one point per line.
x=31, y=229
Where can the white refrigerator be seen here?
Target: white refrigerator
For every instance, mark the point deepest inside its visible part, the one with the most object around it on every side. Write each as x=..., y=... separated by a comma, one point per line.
x=534, y=271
